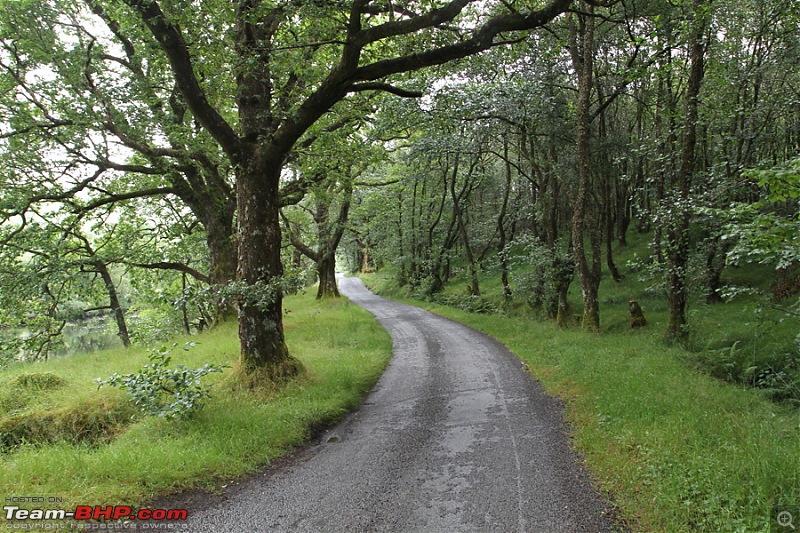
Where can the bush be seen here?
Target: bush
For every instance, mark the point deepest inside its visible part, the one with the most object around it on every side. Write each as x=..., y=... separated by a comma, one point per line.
x=777, y=375
x=540, y=273
x=471, y=304
x=160, y=391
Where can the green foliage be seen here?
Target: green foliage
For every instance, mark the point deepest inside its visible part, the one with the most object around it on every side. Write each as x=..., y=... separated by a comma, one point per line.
x=766, y=231
x=342, y=347
x=676, y=450
x=762, y=358
x=465, y=302
x=536, y=270
x=161, y=391
x=263, y=293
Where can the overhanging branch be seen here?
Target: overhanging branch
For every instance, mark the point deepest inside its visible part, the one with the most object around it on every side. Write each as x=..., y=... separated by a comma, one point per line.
x=378, y=86
x=482, y=39
x=114, y=198
x=180, y=267
x=171, y=41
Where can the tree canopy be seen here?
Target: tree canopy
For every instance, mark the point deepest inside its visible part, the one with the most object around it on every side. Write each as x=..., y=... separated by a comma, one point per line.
x=197, y=150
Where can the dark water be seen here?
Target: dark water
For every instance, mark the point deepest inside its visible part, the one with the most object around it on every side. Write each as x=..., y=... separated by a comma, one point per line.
x=87, y=335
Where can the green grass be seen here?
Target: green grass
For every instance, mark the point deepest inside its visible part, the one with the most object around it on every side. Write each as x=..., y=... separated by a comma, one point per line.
x=340, y=345
x=673, y=446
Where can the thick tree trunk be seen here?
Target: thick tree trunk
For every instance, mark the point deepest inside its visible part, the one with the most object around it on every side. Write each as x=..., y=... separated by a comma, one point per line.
x=326, y=268
x=222, y=258
x=263, y=346
x=214, y=205
x=221, y=250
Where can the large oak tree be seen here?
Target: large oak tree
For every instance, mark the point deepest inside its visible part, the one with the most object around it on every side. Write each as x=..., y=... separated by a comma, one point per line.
x=291, y=63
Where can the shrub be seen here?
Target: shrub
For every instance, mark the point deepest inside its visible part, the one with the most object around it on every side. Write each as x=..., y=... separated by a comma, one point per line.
x=162, y=391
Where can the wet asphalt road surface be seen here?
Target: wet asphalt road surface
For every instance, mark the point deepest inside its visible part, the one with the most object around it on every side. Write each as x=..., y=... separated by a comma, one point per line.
x=455, y=437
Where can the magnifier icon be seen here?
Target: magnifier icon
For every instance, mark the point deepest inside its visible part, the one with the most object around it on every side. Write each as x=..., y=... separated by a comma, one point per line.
x=785, y=519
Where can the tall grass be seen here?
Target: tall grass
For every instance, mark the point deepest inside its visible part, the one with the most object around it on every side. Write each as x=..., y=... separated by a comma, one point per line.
x=342, y=349
x=673, y=446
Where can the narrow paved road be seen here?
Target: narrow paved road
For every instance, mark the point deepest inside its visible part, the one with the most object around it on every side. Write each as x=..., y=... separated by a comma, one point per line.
x=455, y=437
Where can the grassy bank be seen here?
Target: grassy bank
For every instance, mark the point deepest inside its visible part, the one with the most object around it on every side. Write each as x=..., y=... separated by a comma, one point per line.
x=341, y=346
x=675, y=448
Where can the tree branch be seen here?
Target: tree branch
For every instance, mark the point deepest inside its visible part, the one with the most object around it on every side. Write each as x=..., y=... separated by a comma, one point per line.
x=377, y=86
x=298, y=244
x=114, y=198
x=294, y=191
x=180, y=267
x=435, y=17
x=482, y=39
x=50, y=126
x=171, y=41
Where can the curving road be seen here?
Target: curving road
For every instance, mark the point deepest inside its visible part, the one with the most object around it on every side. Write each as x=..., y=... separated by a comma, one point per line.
x=455, y=437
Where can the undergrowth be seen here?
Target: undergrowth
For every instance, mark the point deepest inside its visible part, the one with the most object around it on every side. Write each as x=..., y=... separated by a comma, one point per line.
x=702, y=437
x=64, y=438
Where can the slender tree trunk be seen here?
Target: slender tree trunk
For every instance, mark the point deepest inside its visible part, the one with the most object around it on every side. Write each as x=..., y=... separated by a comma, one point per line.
x=565, y=269
x=501, y=228
x=474, y=288
x=583, y=55
x=113, y=300
x=416, y=267
x=714, y=267
x=678, y=255
x=403, y=261
x=609, y=233
x=623, y=207
x=607, y=199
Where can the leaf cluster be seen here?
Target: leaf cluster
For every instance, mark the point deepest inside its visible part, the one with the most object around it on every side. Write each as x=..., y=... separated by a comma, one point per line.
x=162, y=391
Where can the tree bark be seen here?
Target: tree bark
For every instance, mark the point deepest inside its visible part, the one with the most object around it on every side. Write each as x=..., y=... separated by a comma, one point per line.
x=678, y=239
x=588, y=275
x=501, y=227
x=113, y=299
x=261, y=335
x=326, y=268
x=458, y=213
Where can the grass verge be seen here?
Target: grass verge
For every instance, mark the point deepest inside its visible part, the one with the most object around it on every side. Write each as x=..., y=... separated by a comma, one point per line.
x=675, y=449
x=341, y=346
